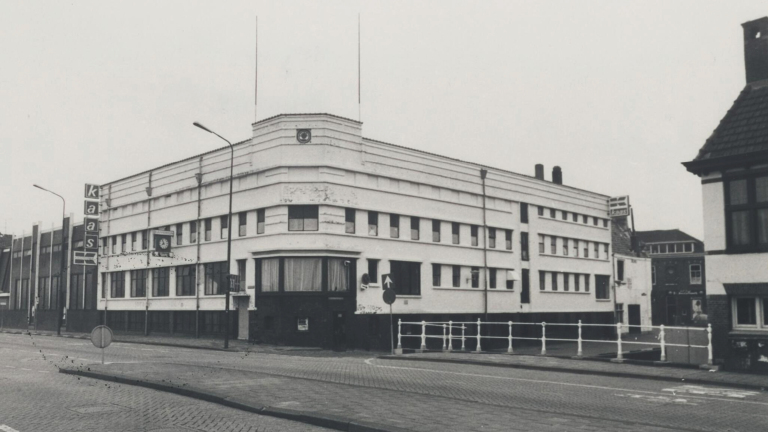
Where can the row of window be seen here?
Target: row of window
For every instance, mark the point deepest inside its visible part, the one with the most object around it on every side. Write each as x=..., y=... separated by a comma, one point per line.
x=472, y=280
x=82, y=292
x=215, y=281
x=571, y=247
x=694, y=273
x=669, y=248
x=750, y=313
x=564, y=215
x=576, y=282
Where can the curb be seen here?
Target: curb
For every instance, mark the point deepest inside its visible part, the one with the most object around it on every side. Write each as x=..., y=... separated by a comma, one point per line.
x=582, y=372
x=315, y=419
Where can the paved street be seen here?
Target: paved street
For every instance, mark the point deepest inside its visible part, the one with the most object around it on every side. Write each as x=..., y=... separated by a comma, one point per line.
x=404, y=394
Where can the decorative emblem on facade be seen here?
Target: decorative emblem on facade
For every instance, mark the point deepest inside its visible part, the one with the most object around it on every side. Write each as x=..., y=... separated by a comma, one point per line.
x=304, y=136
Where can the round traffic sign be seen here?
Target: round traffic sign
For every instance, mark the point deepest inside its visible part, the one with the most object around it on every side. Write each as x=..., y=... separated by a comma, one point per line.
x=389, y=296
x=101, y=336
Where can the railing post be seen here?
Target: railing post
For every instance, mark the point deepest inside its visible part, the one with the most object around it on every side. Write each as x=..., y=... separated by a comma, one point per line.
x=445, y=347
x=663, y=347
x=543, y=338
x=423, y=336
x=450, y=336
x=509, y=350
x=399, y=333
x=463, y=339
x=579, y=351
x=619, y=354
x=478, y=349
x=709, y=344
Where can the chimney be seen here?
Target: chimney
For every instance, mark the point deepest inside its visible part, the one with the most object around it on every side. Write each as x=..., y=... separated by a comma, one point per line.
x=557, y=175
x=540, y=171
x=756, y=49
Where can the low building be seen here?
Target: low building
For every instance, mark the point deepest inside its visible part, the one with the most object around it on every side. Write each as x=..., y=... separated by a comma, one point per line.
x=632, y=275
x=679, y=282
x=321, y=214
x=733, y=168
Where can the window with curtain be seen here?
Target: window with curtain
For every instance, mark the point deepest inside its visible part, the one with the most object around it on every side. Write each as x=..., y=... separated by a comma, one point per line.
x=185, y=280
x=303, y=274
x=747, y=213
x=338, y=274
x=270, y=275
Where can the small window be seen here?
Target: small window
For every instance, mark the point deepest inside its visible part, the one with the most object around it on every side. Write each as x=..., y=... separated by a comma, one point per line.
x=242, y=224
x=124, y=242
x=605, y=250
x=586, y=283
x=620, y=313
x=492, y=238
x=597, y=250
x=576, y=281
x=473, y=234
x=436, y=275
x=492, y=278
x=373, y=223
x=394, y=226
x=456, y=276
x=373, y=270
x=455, y=233
x=594, y=221
x=586, y=249
x=619, y=270
x=260, y=221
x=575, y=217
x=302, y=324
x=653, y=275
x=179, y=234
x=134, y=235
x=510, y=283
x=541, y=244
x=552, y=213
x=541, y=211
x=436, y=231
x=584, y=219
x=349, y=221
x=565, y=246
x=542, y=280
x=475, y=277
x=208, y=228
x=605, y=223
x=746, y=311
x=303, y=218
x=575, y=248
x=566, y=281
x=695, y=274
x=553, y=244
x=523, y=212
x=554, y=281
x=114, y=244
x=524, y=246
x=193, y=232
x=564, y=215
x=508, y=239
x=414, y=228
x=689, y=247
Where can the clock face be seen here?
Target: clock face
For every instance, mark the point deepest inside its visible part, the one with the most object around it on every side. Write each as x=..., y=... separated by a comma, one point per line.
x=163, y=243
x=303, y=135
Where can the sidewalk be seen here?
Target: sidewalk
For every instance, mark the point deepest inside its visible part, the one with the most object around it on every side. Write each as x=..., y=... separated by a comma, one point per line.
x=593, y=366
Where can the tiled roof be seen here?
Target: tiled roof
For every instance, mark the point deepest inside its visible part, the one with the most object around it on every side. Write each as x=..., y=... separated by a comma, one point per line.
x=621, y=238
x=742, y=133
x=662, y=236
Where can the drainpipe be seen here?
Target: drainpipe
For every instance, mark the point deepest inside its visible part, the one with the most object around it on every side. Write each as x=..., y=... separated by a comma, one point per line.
x=199, y=178
x=149, y=248
x=483, y=175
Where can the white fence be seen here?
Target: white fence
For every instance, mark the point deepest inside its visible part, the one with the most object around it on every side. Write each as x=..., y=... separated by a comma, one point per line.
x=454, y=332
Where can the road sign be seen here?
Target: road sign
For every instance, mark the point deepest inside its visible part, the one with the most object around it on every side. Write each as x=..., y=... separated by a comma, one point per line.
x=91, y=191
x=84, y=258
x=91, y=225
x=618, y=206
x=388, y=281
x=101, y=337
x=91, y=241
x=389, y=296
x=91, y=208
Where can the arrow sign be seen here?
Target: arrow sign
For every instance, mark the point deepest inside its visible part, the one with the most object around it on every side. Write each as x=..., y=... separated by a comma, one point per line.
x=84, y=258
x=388, y=282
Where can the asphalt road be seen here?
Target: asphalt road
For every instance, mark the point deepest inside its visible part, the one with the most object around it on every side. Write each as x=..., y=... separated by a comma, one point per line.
x=414, y=395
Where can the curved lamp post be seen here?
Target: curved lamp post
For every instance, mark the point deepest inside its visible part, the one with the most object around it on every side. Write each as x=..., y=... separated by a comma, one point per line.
x=62, y=267
x=229, y=232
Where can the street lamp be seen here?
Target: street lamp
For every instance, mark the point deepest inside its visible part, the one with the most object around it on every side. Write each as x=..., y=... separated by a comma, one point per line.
x=62, y=266
x=229, y=232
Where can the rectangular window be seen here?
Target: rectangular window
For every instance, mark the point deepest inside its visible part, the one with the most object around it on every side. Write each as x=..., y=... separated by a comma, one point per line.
x=242, y=224
x=746, y=311
x=523, y=212
x=553, y=245
x=584, y=219
x=414, y=228
x=241, y=284
x=114, y=244
x=601, y=287
x=138, y=283
x=160, y=281
x=695, y=274
x=605, y=223
x=594, y=221
x=524, y=246
x=179, y=234
x=260, y=221
x=193, y=232
x=605, y=250
x=508, y=239
x=269, y=275
x=747, y=214
x=689, y=247
x=473, y=234
x=145, y=240
x=407, y=276
x=653, y=275
x=565, y=246
x=620, y=313
x=436, y=231
x=216, y=278
x=394, y=226
x=455, y=233
x=436, y=275
x=456, y=276
x=586, y=249
x=597, y=250
x=492, y=238
x=373, y=223
x=492, y=277
x=303, y=218
x=124, y=243
x=586, y=283
x=576, y=281
x=575, y=248
x=552, y=213
x=224, y=227
x=475, y=272
x=619, y=270
x=566, y=281
x=541, y=244
x=542, y=280
x=116, y=284
x=104, y=244
x=541, y=211
x=208, y=224
x=525, y=292
x=554, y=281
x=564, y=215
x=185, y=280
x=306, y=274
x=339, y=274
x=373, y=271
x=349, y=221
x=575, y=217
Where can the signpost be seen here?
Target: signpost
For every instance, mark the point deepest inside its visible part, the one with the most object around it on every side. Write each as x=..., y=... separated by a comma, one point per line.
x=84, y=258
x=389, y=297
x=101, y=337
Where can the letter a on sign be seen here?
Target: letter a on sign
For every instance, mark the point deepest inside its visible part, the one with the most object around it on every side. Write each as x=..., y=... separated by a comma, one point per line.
x=91, y=191
x=91, y=208
x=91, y=225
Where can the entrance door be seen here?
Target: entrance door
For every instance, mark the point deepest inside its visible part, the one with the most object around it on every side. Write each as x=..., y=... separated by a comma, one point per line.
x=634, y=318
x=339, y=332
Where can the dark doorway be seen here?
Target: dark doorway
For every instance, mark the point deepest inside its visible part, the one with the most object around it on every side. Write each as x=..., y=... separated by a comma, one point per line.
x=671, y=311
x=339, y=332
x=634, y=319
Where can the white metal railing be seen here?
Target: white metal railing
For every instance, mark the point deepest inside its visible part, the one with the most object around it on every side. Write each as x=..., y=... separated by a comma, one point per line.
x=448, y=336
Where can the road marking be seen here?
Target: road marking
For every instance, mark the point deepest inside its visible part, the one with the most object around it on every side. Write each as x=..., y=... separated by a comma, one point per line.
x=708, y=391
x=5, y=428
x=496, y=377
x=657, y=399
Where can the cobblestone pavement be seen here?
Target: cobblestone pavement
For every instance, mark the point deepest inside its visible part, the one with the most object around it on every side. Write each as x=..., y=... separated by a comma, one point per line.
x=424, y=395
x=35, y=397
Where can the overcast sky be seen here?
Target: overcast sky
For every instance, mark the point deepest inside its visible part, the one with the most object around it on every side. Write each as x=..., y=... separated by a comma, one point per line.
x=616, y=93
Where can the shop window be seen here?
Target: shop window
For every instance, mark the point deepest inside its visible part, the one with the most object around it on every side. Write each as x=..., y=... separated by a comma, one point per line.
x=269, y=274
x=303, y=218
x=305, y=274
